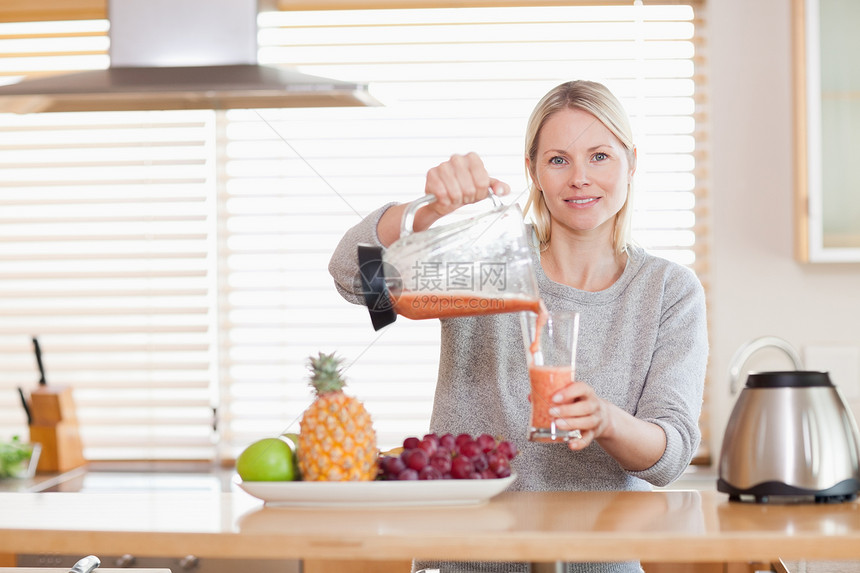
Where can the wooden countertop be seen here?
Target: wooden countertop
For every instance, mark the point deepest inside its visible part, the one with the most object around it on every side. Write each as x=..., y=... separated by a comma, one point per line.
x=668, y=526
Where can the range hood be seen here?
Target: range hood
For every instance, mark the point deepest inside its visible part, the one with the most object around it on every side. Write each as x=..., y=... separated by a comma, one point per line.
x=181, y=54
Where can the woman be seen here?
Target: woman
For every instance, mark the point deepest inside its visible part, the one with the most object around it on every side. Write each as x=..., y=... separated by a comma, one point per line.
x=643, y=340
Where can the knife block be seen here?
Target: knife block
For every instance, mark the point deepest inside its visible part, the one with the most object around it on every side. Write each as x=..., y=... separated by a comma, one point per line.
x=55, y=425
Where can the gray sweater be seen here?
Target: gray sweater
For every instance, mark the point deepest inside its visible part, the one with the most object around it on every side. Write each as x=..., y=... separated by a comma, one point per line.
x=643, y=346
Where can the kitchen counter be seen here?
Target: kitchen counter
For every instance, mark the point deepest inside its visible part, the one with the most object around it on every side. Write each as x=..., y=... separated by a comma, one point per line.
x=667, y=526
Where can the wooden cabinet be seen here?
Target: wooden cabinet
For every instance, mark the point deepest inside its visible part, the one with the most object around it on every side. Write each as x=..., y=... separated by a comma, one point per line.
x=684, y=567
x=827, y=134
x=818, y=567
x=335, y=566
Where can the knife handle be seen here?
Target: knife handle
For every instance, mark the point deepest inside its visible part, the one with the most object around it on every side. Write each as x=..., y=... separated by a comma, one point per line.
x=38, y=350
x=26, y=406
x=86, y=565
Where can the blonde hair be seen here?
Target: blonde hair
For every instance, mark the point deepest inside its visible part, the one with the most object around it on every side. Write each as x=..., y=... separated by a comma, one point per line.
x=596, y=99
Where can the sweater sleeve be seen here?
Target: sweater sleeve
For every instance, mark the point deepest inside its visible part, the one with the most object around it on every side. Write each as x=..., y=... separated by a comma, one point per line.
x=672, y=396
x=343, y=265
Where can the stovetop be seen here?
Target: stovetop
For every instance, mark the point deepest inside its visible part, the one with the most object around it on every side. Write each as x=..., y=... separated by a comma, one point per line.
x=137, y=477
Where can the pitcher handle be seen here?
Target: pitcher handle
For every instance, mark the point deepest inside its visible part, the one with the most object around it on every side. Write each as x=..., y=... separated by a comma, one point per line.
x=408, y=220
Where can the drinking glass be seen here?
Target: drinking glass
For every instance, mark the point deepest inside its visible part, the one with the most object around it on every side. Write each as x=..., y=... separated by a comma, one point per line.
x=550, y=340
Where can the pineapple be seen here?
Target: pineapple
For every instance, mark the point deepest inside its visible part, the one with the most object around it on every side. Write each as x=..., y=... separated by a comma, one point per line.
x=337, y=441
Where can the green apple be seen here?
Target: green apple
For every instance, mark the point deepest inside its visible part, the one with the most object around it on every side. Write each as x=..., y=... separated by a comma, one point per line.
x=269, y=459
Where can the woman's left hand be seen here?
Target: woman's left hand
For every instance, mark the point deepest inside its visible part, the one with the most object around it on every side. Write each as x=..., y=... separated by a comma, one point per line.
x=636, y=444
x=579, y=408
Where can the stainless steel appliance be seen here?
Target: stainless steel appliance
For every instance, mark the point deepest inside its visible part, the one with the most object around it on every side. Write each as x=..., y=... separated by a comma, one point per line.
x=181, y=54
x=178, y=564
x=790, y=437
x=84, y=565
x=66, y=570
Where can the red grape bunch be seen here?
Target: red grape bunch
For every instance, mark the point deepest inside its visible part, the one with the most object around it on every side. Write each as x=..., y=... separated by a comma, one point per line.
x=449, y=457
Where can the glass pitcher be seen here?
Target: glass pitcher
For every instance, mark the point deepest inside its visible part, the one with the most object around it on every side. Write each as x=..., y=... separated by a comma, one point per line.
x=480, y=265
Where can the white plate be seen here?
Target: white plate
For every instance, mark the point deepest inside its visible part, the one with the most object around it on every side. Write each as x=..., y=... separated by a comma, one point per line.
x=376, y=493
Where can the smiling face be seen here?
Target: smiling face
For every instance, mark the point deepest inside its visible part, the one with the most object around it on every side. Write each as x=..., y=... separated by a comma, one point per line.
x=583, y=171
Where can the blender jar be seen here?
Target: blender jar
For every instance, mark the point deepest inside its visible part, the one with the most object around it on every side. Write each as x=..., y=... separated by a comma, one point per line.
x=480, y=265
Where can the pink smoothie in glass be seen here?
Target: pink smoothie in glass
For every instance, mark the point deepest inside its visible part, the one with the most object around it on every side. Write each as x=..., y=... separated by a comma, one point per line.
x=546, y=381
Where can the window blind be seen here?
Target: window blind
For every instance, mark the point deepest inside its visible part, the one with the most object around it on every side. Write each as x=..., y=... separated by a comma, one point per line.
x=177, y=266
x=105, y=229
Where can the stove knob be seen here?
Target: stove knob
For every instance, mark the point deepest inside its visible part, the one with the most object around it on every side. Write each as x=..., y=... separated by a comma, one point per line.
x=126, y=560
x=189, y=562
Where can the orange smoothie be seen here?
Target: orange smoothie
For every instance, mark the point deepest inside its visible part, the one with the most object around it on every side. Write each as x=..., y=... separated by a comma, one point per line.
x=546, y=381
x=423, y=305
x=542, y=316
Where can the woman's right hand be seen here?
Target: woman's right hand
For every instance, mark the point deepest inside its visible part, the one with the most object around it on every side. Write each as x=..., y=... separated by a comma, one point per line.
x=461, y=180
